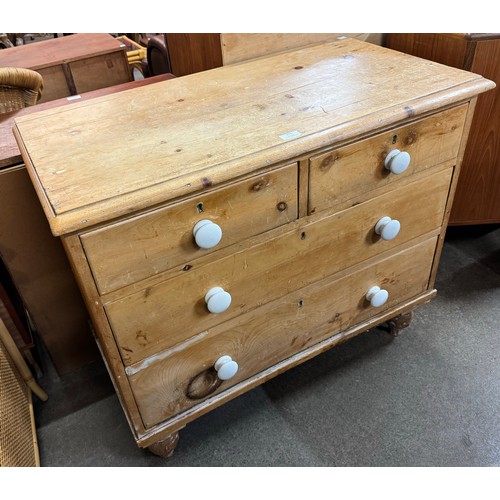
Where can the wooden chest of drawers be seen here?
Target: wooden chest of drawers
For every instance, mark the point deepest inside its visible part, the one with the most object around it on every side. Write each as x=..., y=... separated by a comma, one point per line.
x=229, y=225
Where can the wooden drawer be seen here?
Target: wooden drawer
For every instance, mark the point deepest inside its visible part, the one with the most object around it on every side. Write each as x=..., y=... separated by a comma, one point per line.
x=348, y=172
x=57, y=86
x=156, y=241
x=101, y=71
x=274, y=332
x=173, y=311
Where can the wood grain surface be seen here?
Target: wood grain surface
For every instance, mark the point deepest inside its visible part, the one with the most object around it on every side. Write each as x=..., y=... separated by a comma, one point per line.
x=157, y=241
x=174, y=311
x=9, y=150
x=238, y=47
x=276, y=331
x=179, y=421
x=344, y=173
x=192, y=129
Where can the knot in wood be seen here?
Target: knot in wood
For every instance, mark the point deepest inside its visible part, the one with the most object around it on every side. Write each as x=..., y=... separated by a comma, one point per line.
x=260, y=185
x=203, y=384
x=410, y=138
x=328, y=162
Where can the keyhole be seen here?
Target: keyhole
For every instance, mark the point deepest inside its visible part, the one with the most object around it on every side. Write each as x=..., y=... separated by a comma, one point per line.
x=395, y=138
x=199, y=207
x=303, y=236
x=300, y=303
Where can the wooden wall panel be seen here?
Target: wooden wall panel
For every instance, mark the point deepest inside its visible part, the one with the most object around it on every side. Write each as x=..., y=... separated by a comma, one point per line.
x=193, y=52
x=450, y=50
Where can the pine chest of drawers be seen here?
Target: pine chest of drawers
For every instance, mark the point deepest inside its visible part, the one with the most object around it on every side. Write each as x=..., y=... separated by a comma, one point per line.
x=228, y=225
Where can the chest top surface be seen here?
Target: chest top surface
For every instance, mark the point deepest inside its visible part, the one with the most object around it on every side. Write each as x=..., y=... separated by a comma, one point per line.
x=115, y=154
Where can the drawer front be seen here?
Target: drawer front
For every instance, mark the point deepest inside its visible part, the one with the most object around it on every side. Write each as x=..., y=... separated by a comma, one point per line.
x=343, y=174
x=163, y=239
x=167, y=314
x=101, y=71
x=274, y=332
x=55, y=85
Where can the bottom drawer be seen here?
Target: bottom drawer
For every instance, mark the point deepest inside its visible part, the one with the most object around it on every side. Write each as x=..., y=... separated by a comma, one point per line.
x=175, y=380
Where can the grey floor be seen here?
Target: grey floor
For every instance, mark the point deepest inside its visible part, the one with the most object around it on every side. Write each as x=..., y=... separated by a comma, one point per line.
x=430, y=397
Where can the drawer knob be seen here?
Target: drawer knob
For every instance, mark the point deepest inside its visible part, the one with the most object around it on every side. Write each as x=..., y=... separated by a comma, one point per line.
x=397, y=161
x=387, y=228
x=217, y=299
x=377, y=296
x=207, y=234
x=226, y=368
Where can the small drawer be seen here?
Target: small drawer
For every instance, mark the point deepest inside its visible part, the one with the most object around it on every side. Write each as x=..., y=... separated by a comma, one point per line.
x=184, y=377
x=171, y=312
x=348, y=172
x=157, y=241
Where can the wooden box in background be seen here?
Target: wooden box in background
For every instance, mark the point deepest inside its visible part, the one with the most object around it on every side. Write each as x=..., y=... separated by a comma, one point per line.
x=73, y=64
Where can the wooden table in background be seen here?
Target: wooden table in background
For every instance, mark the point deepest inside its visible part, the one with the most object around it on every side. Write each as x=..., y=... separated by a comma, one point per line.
x=73, y=64
x=35, y=259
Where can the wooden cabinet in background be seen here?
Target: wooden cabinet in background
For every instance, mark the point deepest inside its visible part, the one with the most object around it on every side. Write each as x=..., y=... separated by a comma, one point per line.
x=477, y=199
x=72, y=64
x=42, y=274
x=195, y=52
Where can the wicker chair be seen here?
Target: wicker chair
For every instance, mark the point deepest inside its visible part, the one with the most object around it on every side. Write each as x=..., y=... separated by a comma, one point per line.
x=19, y=88
x=18, y=441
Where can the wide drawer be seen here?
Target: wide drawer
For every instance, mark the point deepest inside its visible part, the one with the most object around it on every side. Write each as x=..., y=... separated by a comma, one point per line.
x=173, y=311
x=154, y=242
x=349, y=172
x=184, y=377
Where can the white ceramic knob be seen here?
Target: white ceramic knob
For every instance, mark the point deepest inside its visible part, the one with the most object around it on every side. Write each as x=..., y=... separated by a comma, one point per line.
x=217, y=299
x=397, y=161
x=387, y=228
x=207, y=234
x=377, y=296
x=226, y=368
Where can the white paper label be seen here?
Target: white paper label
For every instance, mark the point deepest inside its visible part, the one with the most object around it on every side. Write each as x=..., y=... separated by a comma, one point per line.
x=290, y=135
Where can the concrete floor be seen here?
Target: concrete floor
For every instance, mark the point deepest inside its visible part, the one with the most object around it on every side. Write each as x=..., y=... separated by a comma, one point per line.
x=430, y=397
